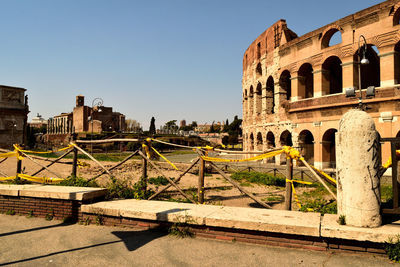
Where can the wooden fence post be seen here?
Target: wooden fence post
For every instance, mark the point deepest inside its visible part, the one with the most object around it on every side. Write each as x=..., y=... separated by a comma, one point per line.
x=19, y=169
x=200, y=189
x=75, y=157
x=144, y=172
x=289, y=176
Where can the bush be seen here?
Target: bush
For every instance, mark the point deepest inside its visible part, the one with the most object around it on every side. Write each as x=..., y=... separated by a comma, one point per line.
x=321, y=206
x=392, y=248
x=159, y=180
x=78, y=181
x=121, y=189
x=259, y=178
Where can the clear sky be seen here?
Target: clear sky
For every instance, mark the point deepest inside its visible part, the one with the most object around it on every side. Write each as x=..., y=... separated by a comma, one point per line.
x=171, y=59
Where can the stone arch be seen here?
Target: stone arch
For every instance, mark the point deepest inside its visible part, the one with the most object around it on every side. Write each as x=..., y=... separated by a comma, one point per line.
x=258, y=99
x=306, y=81
x=306, y=144
x=251, y=142
x=329, y=149
x=396, y=17
x=327, y=35
x=285, y=140
x=270, y=140
x=332, y=76
x=269, y=96
x=251, y=100
x=370, y=73
x=259, y=142
x=258, y=70
x=397, y=63
x=286, y=84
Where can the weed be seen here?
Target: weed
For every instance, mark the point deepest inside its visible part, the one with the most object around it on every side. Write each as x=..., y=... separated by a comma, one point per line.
x=180, y=227
x=86, y=221
x=30, y=214
x=99, y=219
x=342, y=219
x=273, y=198
x=121, y=189
x=321, y=206
x=49, y=216
x=10, y=212
x=392, y=248
x=78, y=181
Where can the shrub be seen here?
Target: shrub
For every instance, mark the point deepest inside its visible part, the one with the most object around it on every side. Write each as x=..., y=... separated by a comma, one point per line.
x=78, y=181
x=159, y=180
x=321, y=206
x=121, y=189
x=392, y=248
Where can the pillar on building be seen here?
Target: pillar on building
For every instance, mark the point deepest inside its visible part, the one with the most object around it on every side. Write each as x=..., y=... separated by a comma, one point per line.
x=296, y=95
x=387, y=57
x=321, y=81
x=358, y=166
x=350, y=73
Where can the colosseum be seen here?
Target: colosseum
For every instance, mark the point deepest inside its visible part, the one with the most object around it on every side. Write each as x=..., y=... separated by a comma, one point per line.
x=294, y=88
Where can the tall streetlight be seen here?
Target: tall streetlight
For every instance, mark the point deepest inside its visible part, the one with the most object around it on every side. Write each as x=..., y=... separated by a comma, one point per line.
x=351, y=92
x=97, y=103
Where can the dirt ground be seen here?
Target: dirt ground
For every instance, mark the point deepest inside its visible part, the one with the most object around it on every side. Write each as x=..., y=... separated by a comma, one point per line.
x=218, y=190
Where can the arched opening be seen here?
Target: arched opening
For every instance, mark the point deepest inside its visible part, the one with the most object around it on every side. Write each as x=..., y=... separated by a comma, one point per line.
x=259, y=142
x=397, y=63
x=270, y=102
x=285, y=140
x=329, y=149
x=251, y=142
x=285, y=84
x=258, y=99
x=331, y=38
x=270, y=144
x=306, y=81
x=306, y=143
x=251, y=101
x=245, y=105
x=332, y=82
x=370, y=73
x=258, y=70
x=396, y=17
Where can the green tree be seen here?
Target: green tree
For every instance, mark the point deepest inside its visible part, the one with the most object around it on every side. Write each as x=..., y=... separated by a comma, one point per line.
x=152, y=129
x=171, y=125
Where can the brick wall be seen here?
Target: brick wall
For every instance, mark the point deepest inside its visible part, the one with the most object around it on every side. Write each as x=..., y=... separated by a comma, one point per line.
x=245, y=236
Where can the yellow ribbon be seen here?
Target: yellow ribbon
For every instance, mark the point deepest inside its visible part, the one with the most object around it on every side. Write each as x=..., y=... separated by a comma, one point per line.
x=40, y=179
x=259, y=157
x=294, y=191
x=7, y=178
x=324, y=174
x=170, y=163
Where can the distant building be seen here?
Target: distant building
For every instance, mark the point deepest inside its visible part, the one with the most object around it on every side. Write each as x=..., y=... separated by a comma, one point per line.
x=38, y=122
x=182, y=124
x=13, y=116
x=85, y=119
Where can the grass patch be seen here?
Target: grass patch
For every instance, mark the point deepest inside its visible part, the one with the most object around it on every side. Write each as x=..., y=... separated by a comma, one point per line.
x=122, y=189
x=386, y=196
x=258, y=178
x=159, y=180
x=273, y=198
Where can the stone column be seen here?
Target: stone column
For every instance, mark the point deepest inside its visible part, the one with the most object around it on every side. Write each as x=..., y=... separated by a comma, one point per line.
x=358, y=163
x=295, y=87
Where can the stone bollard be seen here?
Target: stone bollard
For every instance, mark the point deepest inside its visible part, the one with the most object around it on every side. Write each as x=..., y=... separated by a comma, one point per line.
x=358, y=160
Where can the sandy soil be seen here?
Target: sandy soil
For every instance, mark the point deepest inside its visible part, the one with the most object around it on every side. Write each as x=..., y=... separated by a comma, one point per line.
x=218, y=190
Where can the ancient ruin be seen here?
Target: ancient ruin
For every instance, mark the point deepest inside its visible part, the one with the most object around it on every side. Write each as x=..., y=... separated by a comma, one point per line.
x=13, y=115
x=294, y=87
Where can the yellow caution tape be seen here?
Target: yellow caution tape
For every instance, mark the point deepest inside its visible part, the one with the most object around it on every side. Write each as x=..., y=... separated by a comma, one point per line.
x=8, y=154
x=43, y=152
x=324, y=174
x=40, y=179
x=292, y=153
x=7, y=178
x=170, y=163
x=146, y=148
x=294, y=190
x=388, y=163
x=82, y=164
x=259, y=157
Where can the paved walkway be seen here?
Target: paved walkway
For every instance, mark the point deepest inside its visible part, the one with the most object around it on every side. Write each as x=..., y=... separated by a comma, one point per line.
x=37, y=242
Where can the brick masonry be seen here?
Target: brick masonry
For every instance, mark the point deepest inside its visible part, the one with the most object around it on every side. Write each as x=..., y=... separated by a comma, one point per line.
x=245, y=236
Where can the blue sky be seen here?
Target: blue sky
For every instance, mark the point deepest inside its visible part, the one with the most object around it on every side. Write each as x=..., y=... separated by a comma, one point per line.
x=171, y=59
